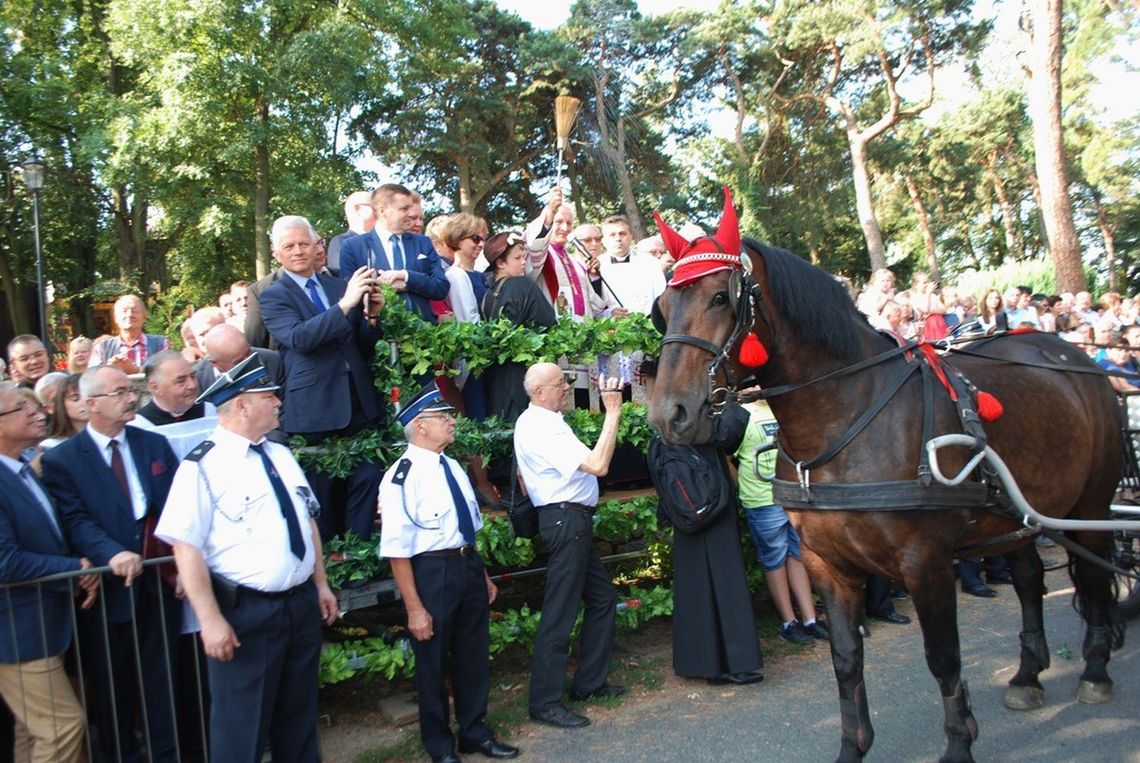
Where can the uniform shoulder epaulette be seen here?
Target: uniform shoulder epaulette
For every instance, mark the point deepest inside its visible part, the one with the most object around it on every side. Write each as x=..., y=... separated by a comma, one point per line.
x=401, y=473
x=200, y=450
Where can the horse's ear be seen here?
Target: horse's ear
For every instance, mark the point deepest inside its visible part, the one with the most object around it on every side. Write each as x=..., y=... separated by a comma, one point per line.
x=728, y=233
x=674, y=241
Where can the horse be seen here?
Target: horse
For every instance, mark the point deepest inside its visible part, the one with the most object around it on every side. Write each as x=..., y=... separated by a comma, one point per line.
x=852, y=426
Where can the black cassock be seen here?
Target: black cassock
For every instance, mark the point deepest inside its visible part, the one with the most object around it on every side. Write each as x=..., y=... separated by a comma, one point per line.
x=714, y=630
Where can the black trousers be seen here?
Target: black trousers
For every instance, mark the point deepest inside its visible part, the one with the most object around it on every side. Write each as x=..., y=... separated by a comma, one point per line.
x=453, y=590
x=574, y=574
x=878, y=597
x=123, y=680
x=268, y=691
x=347, y=503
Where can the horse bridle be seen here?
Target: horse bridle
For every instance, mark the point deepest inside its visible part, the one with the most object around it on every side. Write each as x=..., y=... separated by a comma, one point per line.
x=744, y=299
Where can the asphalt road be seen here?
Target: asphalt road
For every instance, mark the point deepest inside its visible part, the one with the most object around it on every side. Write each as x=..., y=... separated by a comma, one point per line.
x=793, y=715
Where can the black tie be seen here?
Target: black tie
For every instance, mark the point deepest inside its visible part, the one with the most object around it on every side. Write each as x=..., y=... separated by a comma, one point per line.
x=466, y=526
x=296, y=541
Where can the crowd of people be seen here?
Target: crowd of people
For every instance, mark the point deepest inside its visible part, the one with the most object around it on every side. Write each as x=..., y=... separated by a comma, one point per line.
x=93, y=478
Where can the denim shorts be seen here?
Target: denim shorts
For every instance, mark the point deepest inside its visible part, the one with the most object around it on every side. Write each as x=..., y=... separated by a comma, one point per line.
x=773, y=536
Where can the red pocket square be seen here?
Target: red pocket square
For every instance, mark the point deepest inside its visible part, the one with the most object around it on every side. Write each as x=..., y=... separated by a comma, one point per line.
x=157, y=468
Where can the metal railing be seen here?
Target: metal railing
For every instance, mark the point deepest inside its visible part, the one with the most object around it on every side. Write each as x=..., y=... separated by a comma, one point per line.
x=146, y=696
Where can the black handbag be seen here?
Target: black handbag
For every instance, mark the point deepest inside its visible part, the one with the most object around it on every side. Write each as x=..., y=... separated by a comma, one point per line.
x=520, y=510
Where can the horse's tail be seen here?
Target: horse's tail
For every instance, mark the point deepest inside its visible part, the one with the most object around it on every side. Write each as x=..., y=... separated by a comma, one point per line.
x=1113, y=620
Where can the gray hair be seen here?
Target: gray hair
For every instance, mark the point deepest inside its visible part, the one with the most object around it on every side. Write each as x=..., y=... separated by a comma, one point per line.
x=53, y=380
x=89, y=383
x=155, y=361
x=645, y=244
x=289, y=222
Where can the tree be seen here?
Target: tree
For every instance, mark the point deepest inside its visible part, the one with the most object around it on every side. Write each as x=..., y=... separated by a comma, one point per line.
x=863, y=52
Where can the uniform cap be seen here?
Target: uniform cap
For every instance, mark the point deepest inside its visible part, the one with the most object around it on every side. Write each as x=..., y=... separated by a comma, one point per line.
x=247, y=376
x=427, y=399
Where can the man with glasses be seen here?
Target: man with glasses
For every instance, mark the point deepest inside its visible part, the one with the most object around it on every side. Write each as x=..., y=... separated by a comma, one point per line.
x=110, y=482
x=429, y=520
x=407, y=261
x=561, y=477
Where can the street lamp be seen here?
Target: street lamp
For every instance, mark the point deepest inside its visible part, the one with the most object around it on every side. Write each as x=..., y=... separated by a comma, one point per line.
x=34, y=178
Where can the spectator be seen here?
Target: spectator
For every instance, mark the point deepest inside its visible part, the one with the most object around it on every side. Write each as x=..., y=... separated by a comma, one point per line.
x=78, y=354
x=1118, y=360
x=416, y=215
x=239, y=303
x=929, y=311
x=226, y=303
x=46, y=388
x=634, y=282
x=969, y=308
x=464, y=235
x=110, y=482
x=654, y=247
x=561, y=477
x=991, y=316
x=38, y=628
x=327, y=343
x=71, y=413
x=407, y=261
x=361, y=218
x=225, y=348
x=1016, y=315
x=253, y=572
x=879, y=290
x=776, y=541
x=190, y=349
x=27, y=360
x=590, y=237
x=173, y=391
x=430, y=518
x=131, y=347
x=202, y=320
x=434, y=231
x=890, y=319
x=254, y=326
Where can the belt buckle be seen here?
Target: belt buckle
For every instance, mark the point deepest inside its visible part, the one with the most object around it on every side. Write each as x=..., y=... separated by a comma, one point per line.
x=466, y=549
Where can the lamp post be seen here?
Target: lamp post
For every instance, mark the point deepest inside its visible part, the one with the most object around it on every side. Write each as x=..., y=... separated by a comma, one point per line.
x=34, y=178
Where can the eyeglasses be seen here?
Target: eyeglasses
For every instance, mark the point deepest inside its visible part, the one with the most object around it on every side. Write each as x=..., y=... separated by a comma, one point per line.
x=25, y=407
x=476, y=238
x=589, y=238
x=567, y=380
x=440, y=415
x=118, y=393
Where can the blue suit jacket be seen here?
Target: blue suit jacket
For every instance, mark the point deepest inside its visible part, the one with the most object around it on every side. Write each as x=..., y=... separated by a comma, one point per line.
x=324, y=353
x=97, y=517
x=31, y=548
x=426, y=280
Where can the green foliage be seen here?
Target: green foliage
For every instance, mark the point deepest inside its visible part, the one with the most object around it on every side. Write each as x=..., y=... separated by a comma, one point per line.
x=350, y=559
x=622, y=521
x=500, y=547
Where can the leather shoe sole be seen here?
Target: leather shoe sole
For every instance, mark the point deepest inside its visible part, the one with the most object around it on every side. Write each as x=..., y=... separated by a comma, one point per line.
x=605, y=690
x=981, y=592
x=560, y=717
x=492, y=748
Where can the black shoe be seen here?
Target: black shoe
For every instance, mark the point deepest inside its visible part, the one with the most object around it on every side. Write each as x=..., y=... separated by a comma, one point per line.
x=450, y=757
x=797, y=634
x=981, y=591
x=492, y=748
x=740, y=679
x=819, y=630
x=558, y=715
x=1000, y=578
x=605, y=690
x=893, y=617
x=899, y=594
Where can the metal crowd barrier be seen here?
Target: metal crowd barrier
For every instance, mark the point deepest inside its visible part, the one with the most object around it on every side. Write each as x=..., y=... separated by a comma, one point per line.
x=185, y=690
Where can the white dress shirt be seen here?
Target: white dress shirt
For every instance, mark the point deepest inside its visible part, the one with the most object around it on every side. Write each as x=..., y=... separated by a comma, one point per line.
x=549, y=456
x=103, y=443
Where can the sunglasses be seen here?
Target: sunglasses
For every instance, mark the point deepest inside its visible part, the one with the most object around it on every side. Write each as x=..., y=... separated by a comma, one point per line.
x=476, y=238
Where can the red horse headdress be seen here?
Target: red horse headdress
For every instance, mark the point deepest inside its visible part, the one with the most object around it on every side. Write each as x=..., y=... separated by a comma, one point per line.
x=712, y=254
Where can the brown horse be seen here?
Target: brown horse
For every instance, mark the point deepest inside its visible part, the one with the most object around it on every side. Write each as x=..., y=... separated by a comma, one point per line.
x=1059, y=435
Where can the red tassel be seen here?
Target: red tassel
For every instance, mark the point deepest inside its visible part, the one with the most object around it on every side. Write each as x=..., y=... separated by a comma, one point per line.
x=752, y=352
x=989, y=407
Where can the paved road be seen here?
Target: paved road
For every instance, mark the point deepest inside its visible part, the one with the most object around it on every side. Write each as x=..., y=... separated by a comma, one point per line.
x=793, y=715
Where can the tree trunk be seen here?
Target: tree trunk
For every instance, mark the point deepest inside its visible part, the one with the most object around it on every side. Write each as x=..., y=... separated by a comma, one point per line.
x=629, y=201
x=463, y=166
x=863, y=204
x=1108, y=234
x=1044, y=74
x=264, y=262
x=924, y=226
x=1010, y=221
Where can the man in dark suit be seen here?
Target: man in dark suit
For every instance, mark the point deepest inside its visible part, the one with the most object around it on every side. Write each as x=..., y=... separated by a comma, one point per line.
x=35, y=621
x=361, y=218
x=110, y=482
x=326, y=345
x=254, y=327
x=407, y=261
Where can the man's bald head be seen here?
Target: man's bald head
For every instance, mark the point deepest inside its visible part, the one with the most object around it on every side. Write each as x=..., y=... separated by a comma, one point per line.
x=226, y=346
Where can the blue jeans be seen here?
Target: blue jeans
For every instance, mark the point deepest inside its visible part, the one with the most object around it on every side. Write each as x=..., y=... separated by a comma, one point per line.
x=773, y=536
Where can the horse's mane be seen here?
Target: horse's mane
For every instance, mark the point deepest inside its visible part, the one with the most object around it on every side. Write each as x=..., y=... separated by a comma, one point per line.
x=816, y=307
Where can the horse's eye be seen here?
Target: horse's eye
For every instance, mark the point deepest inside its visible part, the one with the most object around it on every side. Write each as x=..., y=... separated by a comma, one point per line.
x=720, y=298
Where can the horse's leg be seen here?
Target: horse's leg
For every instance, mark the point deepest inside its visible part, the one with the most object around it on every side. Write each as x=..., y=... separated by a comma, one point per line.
x=1095, y=600
x=843, y=602
x=931, y=586
x=1025, y=691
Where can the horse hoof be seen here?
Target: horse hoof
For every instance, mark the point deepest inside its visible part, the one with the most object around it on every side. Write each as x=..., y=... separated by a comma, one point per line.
x=1024, y=697
x=1091, y=693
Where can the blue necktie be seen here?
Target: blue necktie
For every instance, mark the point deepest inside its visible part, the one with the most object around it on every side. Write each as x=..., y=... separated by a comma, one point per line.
x=397, y=252
x=296, y=542
x=315, y=295
x=466, y=526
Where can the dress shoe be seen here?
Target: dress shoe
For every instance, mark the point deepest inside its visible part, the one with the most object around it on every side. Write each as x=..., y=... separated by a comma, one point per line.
x=605, y=690
x=893, y=617
x=450, y=757
x=981, y=591
x=819, y=630
x=740, y=679
x=492, y=748
x=1000, y=578
x=558, y=715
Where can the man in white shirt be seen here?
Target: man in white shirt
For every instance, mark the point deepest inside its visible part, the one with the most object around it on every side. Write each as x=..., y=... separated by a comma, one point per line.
x=634, y=281
x=561, y=477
